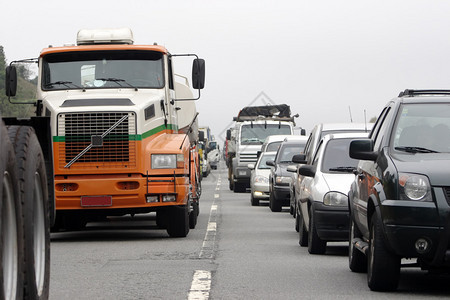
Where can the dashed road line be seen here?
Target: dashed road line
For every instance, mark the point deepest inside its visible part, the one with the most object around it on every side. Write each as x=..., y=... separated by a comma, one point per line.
x=201, y=285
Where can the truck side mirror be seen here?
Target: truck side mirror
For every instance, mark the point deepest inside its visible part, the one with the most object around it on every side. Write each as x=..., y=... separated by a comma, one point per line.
x=11, y=81
x=201, y=136
x=198, y=73
x=229, y=134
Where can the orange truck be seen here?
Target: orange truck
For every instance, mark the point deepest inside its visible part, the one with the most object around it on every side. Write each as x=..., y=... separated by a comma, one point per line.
x=124, y=130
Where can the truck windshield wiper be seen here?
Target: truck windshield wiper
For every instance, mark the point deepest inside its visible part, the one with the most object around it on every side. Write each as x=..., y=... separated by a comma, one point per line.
x=118, y=81
x=415, y=150
x=342, y=169
x=65, y=83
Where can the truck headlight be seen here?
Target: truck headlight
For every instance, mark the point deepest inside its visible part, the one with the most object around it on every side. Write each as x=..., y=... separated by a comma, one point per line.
x=335, y=199
x=164, y=161
x=414, y=187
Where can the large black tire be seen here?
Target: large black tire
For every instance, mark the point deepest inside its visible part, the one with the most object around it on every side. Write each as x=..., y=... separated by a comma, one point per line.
x=193, y=215
x=34, y=193
x=315, y=244
x=162, y=219
x=11, y=226
x=383, y=267
x=302, y=233
x=357, y=261
x=274, y=205
x=254, y=201
x=178, y=222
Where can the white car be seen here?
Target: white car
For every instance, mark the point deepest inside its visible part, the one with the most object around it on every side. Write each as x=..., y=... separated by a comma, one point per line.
x=259, y=178
x=322, y=204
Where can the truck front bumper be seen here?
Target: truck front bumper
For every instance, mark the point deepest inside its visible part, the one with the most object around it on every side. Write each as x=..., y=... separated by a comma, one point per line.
x=120, y=191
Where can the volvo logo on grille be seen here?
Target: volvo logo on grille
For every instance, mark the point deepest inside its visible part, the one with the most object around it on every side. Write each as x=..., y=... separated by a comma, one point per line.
x=97, y=141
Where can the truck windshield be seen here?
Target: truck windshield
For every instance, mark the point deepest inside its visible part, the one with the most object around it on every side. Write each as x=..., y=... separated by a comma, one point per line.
x=256, y=134
x=102, y=69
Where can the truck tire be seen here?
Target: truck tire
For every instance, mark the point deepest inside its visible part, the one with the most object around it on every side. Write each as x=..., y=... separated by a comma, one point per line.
x=315, y=244
x=357, y=261
x=161, y=218
x=193, y=215
x=383, y=268
x=11, y=225
x=178, y=221
x=34, y=193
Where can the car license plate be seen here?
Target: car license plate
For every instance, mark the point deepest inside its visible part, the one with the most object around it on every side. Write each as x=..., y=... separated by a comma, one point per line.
x=242, y=173
x=96, y=201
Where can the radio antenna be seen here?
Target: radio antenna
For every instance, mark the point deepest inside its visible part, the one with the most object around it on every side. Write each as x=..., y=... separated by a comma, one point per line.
x=350, y=112
x=365, y=120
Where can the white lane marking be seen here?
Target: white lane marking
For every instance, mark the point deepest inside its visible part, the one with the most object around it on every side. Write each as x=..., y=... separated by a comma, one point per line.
x=216, y=196
x=212, y=226
x=213, y=207
x=200, y=286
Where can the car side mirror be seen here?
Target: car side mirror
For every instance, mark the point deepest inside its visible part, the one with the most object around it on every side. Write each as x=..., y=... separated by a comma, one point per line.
x=228, y=134
x=299, y=159
x=362, y=149
x=270, y=163
x=292, y=169
x=307, y=170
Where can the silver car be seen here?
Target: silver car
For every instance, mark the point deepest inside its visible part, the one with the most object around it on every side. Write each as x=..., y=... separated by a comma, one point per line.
x=322, y=204
x=259, y=179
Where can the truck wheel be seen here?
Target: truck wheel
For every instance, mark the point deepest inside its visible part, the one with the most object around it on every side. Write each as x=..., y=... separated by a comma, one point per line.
x=315, y=244
x=178, y=222
x=302, y=233
x=383, y=268
x=34, y=192
x=161, y=219
x=193, y=215
x=253, y=200
x=11, y=226
x=357, y=261
x=274, y=205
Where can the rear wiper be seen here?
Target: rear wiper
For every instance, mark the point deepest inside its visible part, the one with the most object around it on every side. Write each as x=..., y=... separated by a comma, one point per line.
x=65, y=83
x=342, y=169
x=415, y=150
x=118, y=80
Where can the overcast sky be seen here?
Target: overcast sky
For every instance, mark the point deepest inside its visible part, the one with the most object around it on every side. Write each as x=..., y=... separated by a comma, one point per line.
x=320, y=57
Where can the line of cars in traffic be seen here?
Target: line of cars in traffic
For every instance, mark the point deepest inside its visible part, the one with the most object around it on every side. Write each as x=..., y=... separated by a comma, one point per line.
x=384, y=187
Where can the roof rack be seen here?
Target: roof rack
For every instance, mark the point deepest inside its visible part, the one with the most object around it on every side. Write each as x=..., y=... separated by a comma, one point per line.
x=412, y=93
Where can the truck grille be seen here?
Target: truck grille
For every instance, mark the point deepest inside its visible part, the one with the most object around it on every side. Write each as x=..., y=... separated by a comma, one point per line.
x=118, y=148
x=248, y=157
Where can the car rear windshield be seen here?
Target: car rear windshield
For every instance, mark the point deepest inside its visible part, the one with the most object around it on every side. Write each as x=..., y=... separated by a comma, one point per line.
x=336, y=158
x=424, y=127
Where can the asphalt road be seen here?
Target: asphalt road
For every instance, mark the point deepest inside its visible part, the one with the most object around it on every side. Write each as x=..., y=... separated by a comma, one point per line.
x=236, y=252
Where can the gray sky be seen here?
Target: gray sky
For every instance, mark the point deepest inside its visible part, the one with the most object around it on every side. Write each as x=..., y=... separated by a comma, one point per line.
x=320, y=57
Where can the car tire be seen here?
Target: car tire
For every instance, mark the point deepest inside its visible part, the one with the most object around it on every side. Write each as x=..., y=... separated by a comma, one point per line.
x=254, y=201
x=34, y=193
x=178, y=222
x=315, y=244
x=357, y=261
x=11, y=223
x=302, y=233
x=383, y=267
x=274, y=205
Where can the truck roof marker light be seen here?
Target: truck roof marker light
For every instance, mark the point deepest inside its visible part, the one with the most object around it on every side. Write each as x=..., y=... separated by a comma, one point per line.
x=105, y=36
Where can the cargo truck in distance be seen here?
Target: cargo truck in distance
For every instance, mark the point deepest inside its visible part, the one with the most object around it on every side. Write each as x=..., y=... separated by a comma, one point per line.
x=253, y=125
x=123, y=130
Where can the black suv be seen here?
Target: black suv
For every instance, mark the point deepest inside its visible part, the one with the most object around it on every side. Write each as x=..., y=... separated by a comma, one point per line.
x=280, y=178
x=400, y=200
